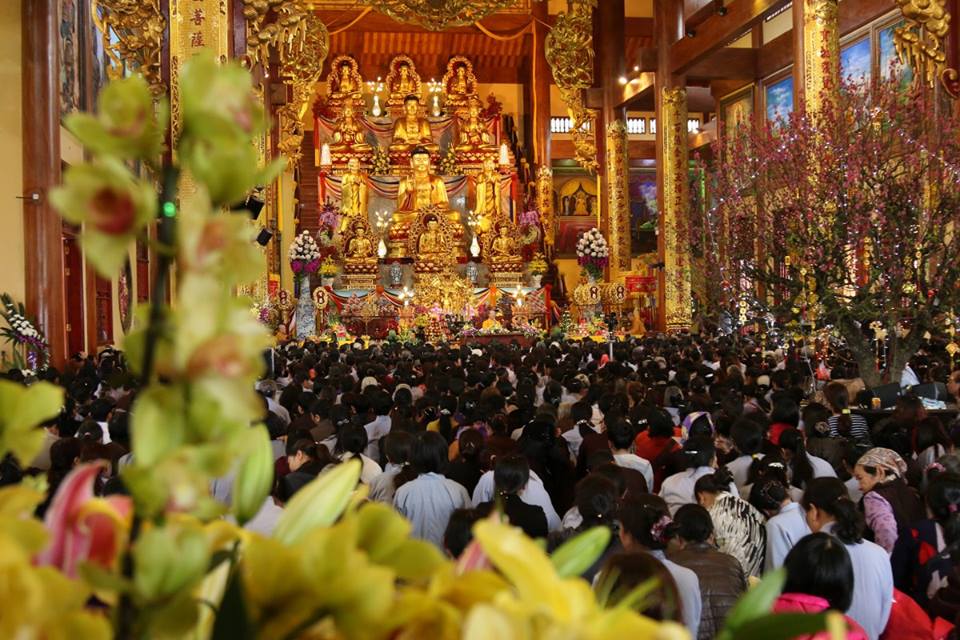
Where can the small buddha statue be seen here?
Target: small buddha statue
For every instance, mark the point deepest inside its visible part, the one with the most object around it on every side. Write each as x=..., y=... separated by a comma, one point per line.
x=473, y=133
x=405, y=84
x=503, y=246
x=360, y=246
x=346, y=86
x=489, y=202
x=580, y=203
x=459, y=83
x=354, y=194
x=411, y=130
x=430, y=242
x=349, y=135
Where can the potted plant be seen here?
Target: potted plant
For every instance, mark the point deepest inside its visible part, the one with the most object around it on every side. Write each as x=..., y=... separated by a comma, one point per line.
x=592, y=254
x=537, y=267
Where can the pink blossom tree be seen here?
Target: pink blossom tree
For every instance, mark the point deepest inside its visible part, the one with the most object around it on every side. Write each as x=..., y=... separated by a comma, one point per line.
x=848, y=218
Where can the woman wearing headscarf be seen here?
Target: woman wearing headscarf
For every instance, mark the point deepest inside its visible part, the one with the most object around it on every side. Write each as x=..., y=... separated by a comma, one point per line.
x=890, y=505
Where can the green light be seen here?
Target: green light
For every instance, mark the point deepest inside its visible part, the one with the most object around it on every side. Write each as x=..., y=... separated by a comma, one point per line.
x=169, y=209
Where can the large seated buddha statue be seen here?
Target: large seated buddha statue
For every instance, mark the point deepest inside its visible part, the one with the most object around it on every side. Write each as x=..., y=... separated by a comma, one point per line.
x=411, y=130
x=420, y=190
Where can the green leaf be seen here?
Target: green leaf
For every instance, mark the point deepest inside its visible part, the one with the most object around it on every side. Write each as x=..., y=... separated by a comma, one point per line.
x=254, y=477
x=782, y=626
x=319, y=503
x=755, y=603
x=22, y=409
x=577, y=554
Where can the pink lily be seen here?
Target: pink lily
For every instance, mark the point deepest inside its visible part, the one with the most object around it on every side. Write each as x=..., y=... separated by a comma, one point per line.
x=84, y=528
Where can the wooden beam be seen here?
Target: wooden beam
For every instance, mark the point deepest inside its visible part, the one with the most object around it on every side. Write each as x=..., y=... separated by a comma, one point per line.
x=775, y=55
x=637, y=87
x=728, y=62
x=717, y=31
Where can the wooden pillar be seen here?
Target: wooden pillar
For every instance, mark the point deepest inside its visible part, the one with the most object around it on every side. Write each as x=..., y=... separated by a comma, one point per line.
x=539, y=88
x=42, y=231
x=816, y=52
x=673, y=199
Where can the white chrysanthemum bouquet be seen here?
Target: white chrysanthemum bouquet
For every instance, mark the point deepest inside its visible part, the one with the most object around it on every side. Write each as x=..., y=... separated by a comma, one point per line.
x=593, y=253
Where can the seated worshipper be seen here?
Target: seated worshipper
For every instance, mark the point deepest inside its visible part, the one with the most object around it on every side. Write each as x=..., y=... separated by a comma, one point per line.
x=701, y=459
x=510, y=476
x=623, y=572
x=581, y=414
x=721, y=576
x=747, y=435
x=621, y=436
x=645, y=526
x=459, y=532
x=890, y=505
x=596, y=506
x=656, y=443
x=829, y=509
x=352, y=443
x=786, y=522
x=739, y=529
x=843, y=423
x=819, y=442
x=547, y=453
x=819, y=577
x=306, y=460
x=424, y=496
x=771, y=466
x=379, y=426
x=921, y=565
x=397, y=446
x=446, y=423
x=930, y=442
x=801, y=466
x=466, y=468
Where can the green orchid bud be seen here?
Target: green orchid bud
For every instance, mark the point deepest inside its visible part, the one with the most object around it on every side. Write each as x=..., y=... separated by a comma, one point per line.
x=157, y=427
x=113, y=206
x=127, y=125
x=254, y=476
x=577, y=554
x=169, y=559
x=319, y=503
x=227, y=167
x=217, y=101
x=23, y=408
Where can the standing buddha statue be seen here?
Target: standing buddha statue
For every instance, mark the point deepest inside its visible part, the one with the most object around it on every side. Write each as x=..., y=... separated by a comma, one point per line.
x=354, y=195
x=489, y=202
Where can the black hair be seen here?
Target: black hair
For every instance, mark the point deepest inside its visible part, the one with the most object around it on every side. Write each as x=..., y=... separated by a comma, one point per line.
x=747, y=435
x=510, y=474
x=596, y=499
x=581, y=410
x=792, y=440
x=768, y=494
x=714, y=483
x=459, y=531
x=353, y=439
x=693, y=523
x=621, y=434
x=837, y=396
x=943, y=500
x=397, y=446
x=448, y=406
x=625, y=571
x=699, y=452
x=429, y=455
x=640, y=517
x=816, y=420
x=819, y=565
x=119, y=428
x=830, y=496
x=785, y=410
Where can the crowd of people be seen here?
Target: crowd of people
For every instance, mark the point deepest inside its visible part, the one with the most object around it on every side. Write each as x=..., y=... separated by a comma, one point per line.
x=712, y=462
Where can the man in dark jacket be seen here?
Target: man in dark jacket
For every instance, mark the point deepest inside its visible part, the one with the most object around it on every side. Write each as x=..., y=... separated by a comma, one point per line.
x=721, y=577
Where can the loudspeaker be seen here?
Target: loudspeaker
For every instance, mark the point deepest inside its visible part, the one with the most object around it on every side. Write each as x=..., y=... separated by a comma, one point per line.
x=263, y=238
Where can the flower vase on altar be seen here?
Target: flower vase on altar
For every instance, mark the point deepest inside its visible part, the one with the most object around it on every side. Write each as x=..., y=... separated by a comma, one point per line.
x=305, y=312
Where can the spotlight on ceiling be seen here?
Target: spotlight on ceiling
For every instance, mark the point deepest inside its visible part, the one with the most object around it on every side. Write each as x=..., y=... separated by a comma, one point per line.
x=690, y=32
x=721, y=10
x=623, y=80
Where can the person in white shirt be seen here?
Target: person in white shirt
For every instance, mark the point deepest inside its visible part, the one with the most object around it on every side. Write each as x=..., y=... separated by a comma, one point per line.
x=351, y=443
x=747, y=436
x=621, y=435
x=786, y=523
x=397, y=448
x=580, y=413
x=534, y=493
x=828, y=508
x=644, y=526
x=379, y=426
x=908, y=378
x=701, y=458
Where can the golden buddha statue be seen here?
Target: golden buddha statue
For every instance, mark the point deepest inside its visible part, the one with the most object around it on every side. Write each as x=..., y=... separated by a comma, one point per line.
x=431, y=241
x=359, y=246
x=489, y=202
x=353, y=198
x=421, y=189
x=503, y=247
x=405, y=84
x=346, y=86
x=411, y=130
x=349, y=135
x=580, y=204
x=473, y=132
x=459, y=84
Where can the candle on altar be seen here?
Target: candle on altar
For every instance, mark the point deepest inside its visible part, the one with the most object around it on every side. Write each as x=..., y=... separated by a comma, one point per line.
x=504, y=155
x=325, y=159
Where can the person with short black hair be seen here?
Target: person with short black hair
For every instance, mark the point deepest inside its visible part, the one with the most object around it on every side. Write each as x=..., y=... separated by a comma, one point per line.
x=701, y=459
x=459, y=532
x=352, y=443
x=786, y=522
x=623, y=572
x=397, y=446
x=621, y=435
x=721, y=577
